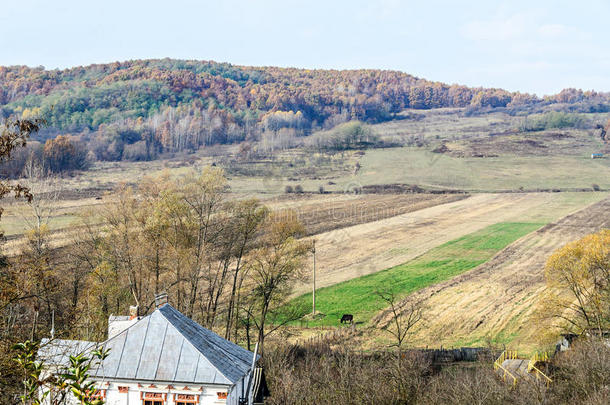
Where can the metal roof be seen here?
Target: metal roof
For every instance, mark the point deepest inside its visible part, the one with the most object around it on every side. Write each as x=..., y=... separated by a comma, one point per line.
x=57, y=352
x=168, y=346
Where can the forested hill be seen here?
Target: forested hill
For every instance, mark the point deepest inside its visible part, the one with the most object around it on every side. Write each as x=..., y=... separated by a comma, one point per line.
x=138, y=109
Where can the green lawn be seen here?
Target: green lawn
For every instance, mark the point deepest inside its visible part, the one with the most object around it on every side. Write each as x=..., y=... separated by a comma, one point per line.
x=358, y=296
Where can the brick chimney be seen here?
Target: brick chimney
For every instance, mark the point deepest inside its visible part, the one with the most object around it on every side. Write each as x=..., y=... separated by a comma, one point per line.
x=160, y=299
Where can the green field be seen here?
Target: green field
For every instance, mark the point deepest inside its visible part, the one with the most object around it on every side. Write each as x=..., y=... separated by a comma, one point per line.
x=359, y=296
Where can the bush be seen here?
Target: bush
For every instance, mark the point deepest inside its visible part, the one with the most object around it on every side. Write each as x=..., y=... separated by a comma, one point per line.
x=288, y=189
x=350, y=135
x=21, y=157
x=552, y=120
x=595, y=187
x=135, y=152
x=298, y=189
x=583, y=373
x=319, y=375
x=321, y=189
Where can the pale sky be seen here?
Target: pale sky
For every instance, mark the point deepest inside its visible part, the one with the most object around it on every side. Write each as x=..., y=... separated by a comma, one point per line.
x=529, y=46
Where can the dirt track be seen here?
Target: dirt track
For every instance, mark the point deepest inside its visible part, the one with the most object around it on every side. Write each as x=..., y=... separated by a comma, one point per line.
x=496, y=300
x=350, y=252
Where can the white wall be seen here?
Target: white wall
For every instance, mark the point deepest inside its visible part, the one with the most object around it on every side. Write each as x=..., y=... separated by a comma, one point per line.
x=207, y=396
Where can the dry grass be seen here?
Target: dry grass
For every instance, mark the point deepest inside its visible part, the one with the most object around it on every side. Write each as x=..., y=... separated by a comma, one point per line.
x=346, y=253
x=496, y=300
x=325, y=213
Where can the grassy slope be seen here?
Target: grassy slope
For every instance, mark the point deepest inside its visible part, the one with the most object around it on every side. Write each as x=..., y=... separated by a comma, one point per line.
x=417, y=166
x=358, y=296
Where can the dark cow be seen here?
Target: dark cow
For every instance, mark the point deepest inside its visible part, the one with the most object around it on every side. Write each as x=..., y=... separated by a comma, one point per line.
x=347, y=318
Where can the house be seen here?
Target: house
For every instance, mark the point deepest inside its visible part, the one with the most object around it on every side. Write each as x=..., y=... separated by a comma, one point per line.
x=165, y=358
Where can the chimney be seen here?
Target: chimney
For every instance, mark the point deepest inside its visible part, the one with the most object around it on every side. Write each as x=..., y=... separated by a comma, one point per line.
x=160, y=299
x=134, y=312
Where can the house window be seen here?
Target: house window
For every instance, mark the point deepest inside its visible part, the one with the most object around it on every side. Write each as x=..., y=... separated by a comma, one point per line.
x=186, y=399
x=153, y=398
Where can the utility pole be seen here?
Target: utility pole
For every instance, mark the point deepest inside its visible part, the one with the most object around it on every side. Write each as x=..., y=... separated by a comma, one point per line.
x=314, y=278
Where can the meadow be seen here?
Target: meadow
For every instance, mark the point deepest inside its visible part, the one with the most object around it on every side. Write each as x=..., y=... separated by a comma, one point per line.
x=360, y=296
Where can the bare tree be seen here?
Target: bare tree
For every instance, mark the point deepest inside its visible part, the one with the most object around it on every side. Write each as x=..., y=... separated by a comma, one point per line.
x=404, y=317
x=272, y=271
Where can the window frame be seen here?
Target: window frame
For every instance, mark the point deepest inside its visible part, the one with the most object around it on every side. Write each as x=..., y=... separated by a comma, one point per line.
x=186, y=399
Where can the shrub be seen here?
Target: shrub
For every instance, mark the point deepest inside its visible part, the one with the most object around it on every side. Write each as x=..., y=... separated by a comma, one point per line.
x=298, y=189
x=350, y=135
x=288, y=189
x=552, y=120
x=595, y=187
x=583, y=373
x=319, y=375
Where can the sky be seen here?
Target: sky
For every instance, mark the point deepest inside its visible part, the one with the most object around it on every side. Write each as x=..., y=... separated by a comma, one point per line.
x=529, y=46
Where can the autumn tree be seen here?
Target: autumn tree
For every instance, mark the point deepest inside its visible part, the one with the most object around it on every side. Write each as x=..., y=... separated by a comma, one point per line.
x=176, y=235
x=404, y=317
x=62, y=154
x=578, y=285
x=248, y=217
x=196, y=230
x=273, y=270
x=15, y=135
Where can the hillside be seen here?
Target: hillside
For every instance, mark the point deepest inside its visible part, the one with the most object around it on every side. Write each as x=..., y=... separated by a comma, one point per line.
x=136, y=110
x=498, y=300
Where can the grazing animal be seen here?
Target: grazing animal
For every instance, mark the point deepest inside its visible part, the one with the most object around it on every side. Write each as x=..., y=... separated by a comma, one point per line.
x=347, y=318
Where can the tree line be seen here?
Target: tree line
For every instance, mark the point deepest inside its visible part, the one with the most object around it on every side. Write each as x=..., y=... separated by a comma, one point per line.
x=136, y=110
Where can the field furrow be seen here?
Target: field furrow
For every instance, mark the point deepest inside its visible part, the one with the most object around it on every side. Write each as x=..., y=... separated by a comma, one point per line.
x=496, y=300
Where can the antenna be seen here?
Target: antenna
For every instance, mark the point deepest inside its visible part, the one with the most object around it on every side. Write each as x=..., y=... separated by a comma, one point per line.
x=53, y=324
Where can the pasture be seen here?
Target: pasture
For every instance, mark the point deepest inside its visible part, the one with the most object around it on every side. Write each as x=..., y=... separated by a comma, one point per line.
x=360, y=297
x=354, y=251
x=497, y=301
x=412, y=165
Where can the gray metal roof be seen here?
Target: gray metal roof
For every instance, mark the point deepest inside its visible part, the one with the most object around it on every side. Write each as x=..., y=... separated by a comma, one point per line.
x=57, y=352
x=168, y=346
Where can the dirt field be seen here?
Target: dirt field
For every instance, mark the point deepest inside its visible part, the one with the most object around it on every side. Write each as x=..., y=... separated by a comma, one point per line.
x=324, y=213
x=495, y=301
x=346, y=253
x=318, y=212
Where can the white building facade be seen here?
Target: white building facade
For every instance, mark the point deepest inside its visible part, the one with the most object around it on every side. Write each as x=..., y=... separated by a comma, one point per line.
x=165, y=358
